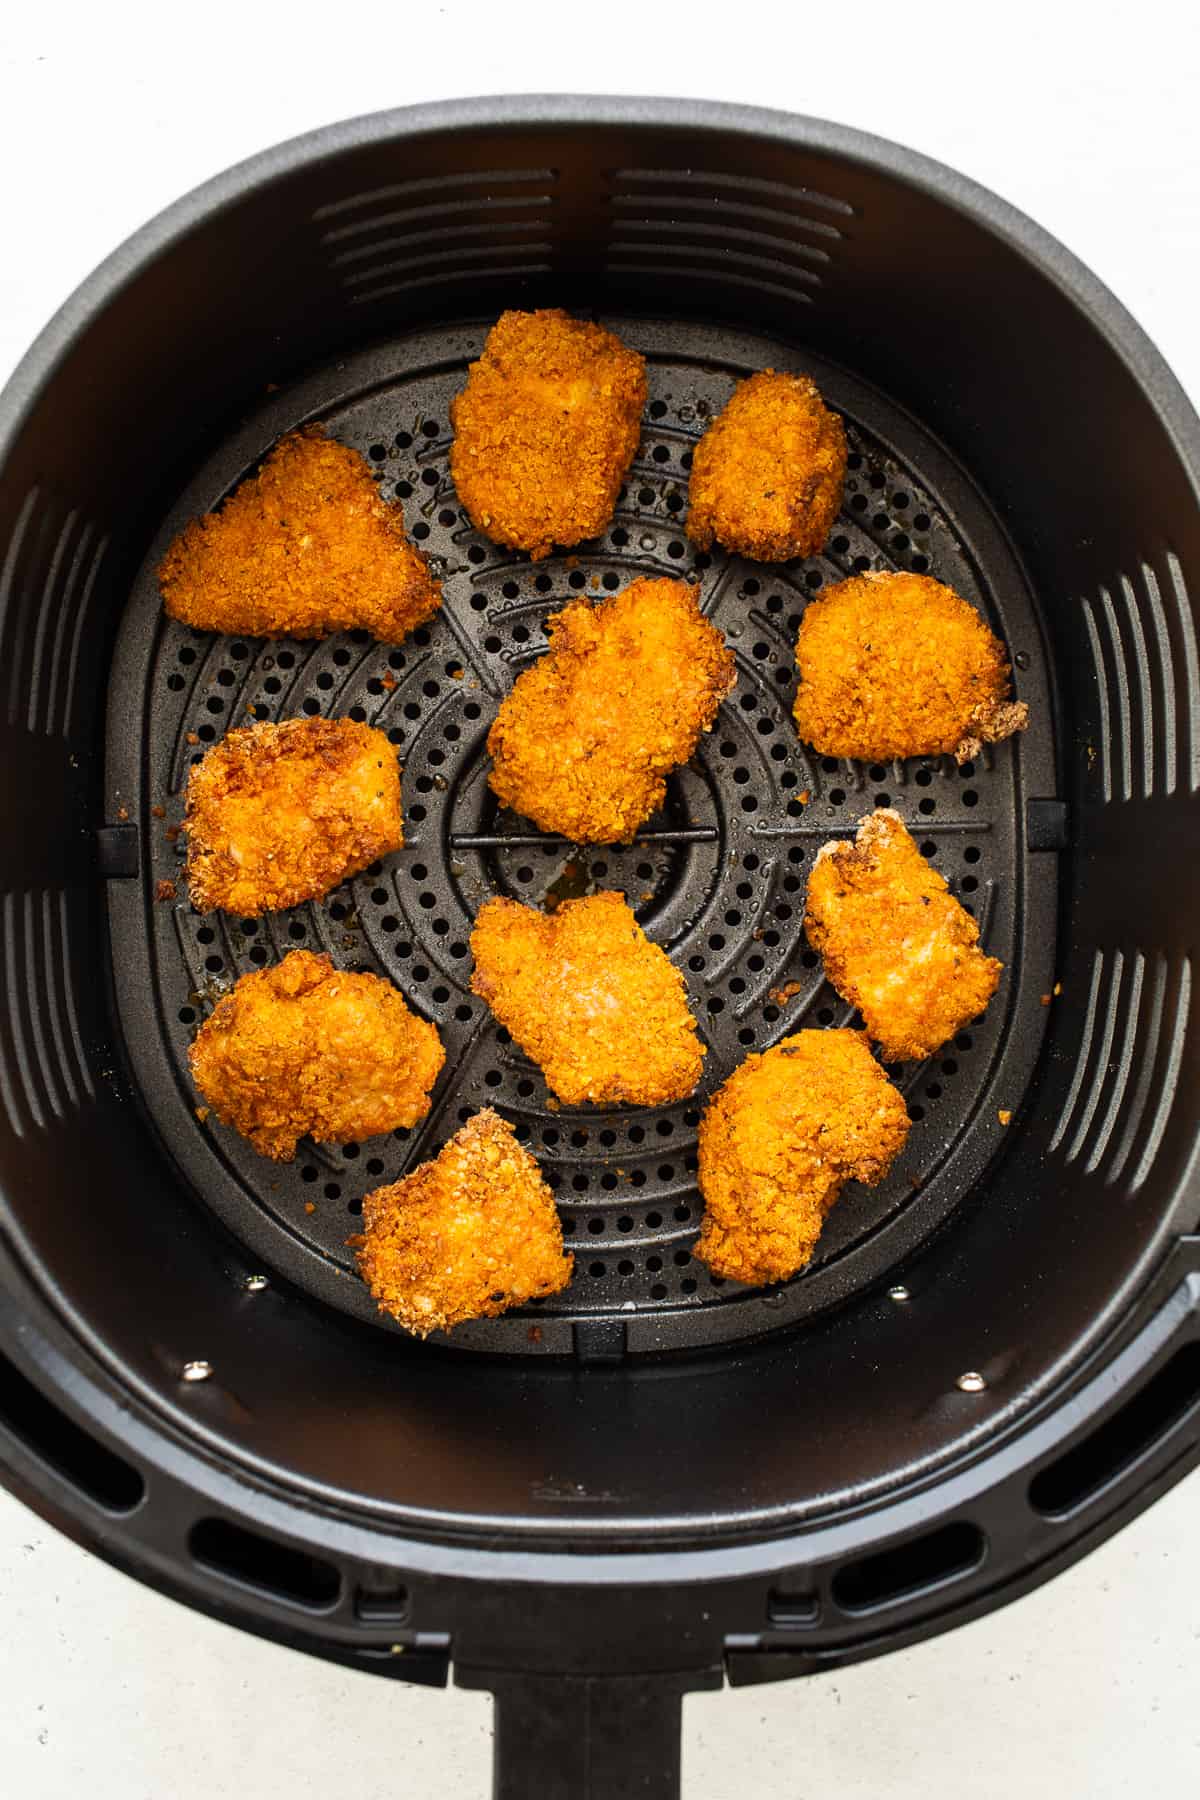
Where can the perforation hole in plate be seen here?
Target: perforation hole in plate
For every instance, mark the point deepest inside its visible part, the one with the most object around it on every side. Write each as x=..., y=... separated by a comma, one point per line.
x=717, y=876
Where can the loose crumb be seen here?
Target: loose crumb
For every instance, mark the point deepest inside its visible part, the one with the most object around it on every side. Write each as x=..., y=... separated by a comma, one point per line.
x=781, y=995
x=804, y=796
x=1004, y=1117
x=164, y=890
x=202, y=1113
x=123, y=814
x=1057, y=989
x=158, y=812
x=310, y=1206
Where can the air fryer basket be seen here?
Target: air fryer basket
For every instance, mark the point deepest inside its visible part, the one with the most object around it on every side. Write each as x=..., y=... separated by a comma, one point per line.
x=654, y=1480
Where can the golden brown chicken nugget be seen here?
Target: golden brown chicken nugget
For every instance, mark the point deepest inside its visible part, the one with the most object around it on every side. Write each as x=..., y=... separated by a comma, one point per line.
x=277, y=814
x=779, y=1142
x=306, y=1049
x=896, y=942
x=466, y=1236
x=587, y=995
x=583, y=742
x=767, y=475
x=900, y=665
x=306, y=547
x=545, y=430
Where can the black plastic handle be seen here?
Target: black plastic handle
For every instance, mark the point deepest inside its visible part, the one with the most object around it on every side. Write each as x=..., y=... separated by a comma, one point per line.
x=588, y=1737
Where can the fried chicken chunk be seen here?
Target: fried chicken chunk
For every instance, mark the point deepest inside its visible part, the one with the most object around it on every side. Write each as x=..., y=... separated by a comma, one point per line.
x=545, y=430
x=277, y=814
x=465, y=1236
x=303, y=1048
x=899, y=665
x=589, y=997
x=306, y=547
x=779, y=1142
x=895, y=940
x=767, y=475
x=584, y=740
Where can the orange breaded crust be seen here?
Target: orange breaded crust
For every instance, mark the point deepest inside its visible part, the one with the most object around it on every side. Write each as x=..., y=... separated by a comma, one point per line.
x=779, y=1142
x=545, y=430
x=465, y=1236
x=896, y=942
x=277, y=814
x=587, y=995
x=899, y=665
x=305, y=1049
x=306, y=547
x=767, y=475
x=584, y=740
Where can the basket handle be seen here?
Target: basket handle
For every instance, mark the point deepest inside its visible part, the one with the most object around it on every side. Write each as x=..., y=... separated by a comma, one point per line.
x=587, y=1737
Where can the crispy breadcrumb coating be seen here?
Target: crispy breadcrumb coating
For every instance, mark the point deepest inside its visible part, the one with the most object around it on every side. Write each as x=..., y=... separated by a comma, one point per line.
x=767, y=475
x=899, y=665
x=895, y=941
x=465, y=1236
x=306, y=547
x=277, y=814
x=305, y=1049
x=589, y=997
x=545, y=430
x=582, y=743
x=779, y=1142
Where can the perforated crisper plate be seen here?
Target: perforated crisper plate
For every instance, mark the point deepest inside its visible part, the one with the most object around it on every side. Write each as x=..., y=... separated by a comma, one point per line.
x=717, y=877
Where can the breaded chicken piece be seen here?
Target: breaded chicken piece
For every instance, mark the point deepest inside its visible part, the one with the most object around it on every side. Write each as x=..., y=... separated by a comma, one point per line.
x=899, y=665
x=306, y=547
x=779, y=1142
x=767, y=475
x=896, y=942
x=305, y=1049
x=466, y=1236
x=589, y=997
x=583, y=742
x=277, y=814
x=545, y=430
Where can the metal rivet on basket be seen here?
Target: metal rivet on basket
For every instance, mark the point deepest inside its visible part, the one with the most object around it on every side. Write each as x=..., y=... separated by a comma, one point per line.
x=197, y=1371
x=899, y=1293
x=256, y=1283
x=972, y=1382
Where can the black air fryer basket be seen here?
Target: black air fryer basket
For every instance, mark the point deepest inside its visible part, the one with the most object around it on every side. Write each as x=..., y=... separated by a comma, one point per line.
x=656, y=1480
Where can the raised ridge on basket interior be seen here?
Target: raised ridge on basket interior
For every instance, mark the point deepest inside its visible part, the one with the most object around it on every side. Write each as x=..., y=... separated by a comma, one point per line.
x=716, y=182
x=48, y=573
x=1143, y=646
x=437, y=187
x=44, y=1072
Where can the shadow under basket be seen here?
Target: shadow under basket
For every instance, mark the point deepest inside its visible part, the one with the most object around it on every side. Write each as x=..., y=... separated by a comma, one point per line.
x=654, y=1481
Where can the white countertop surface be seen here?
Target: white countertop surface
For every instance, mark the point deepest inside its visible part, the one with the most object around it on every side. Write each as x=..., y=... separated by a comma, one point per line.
x=1087, y=1688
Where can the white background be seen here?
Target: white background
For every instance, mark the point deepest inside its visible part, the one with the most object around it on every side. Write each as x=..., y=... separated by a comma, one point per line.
x=1087, y=1689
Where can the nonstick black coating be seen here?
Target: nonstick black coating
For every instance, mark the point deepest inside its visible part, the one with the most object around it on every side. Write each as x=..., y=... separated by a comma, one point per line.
x=717, y=877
